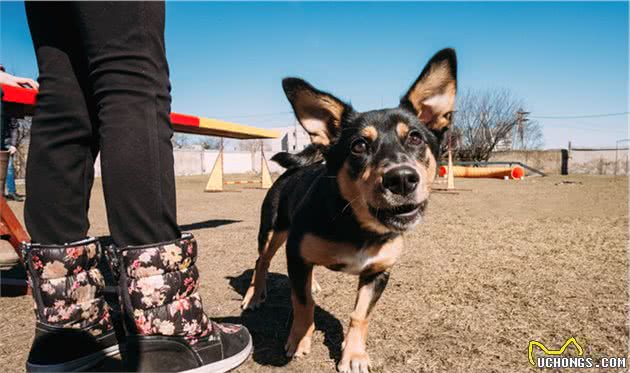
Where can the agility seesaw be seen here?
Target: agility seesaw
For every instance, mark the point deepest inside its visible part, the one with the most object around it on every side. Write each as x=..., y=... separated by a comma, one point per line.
x=21, y=102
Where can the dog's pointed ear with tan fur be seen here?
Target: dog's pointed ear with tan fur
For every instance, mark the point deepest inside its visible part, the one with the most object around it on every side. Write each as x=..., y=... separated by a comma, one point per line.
x=318, y=112
x=432, y=96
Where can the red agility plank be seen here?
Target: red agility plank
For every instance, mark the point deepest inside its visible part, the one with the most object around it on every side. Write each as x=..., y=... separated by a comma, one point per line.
x=19, y=95
x=184, y=120
x=26, y=98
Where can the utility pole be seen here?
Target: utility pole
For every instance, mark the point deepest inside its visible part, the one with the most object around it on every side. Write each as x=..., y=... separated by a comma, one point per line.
x=450, y=177
x=521, y=118
x=617, y=153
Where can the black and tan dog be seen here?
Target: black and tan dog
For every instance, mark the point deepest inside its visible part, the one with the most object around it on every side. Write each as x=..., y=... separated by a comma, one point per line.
x=347, y=199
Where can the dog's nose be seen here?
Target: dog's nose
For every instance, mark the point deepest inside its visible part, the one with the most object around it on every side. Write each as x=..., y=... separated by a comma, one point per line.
x=401, y=180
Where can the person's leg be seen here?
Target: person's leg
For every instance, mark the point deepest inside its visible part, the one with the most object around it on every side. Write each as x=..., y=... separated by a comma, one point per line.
x=124, y=43
x=168, y=330
x=11, y=177
x=10, y=183
x=74, y=329
x=60, y=168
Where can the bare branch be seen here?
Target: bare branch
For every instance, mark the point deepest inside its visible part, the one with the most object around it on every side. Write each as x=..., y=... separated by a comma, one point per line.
x=486, y=121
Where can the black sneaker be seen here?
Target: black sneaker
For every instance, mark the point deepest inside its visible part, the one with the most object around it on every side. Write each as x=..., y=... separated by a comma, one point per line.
x=227, y=347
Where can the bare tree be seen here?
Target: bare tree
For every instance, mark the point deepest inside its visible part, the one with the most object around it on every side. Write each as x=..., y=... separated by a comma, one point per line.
x=210, y=143
x=248, y=145
x=186, y=140
x=486, y=121
x=180, y=140
x=253, y=146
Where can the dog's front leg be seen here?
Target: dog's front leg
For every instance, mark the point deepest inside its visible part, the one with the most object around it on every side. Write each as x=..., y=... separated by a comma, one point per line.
x=355, y=358
x=300, y=274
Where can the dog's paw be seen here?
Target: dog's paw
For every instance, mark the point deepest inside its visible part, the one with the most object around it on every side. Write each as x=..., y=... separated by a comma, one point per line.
x=254, y=298
x=358, y=362
x=298, y=346
x=315, y=288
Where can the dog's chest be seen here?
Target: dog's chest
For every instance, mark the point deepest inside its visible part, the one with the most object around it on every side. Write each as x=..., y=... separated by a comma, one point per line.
x=349, y=259
x=369, y=260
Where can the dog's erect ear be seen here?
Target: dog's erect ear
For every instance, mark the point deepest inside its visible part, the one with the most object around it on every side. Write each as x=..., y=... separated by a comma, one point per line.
x=432, y=95
x=318, y=112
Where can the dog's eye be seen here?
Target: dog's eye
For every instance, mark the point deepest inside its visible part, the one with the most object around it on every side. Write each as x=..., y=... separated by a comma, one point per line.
x=414, y=138
x=359, y=146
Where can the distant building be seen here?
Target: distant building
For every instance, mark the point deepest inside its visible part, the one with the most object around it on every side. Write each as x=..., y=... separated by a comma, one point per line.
x=292, y=139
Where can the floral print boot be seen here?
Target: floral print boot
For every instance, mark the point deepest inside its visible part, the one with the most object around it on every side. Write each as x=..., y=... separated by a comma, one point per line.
x=167, y=329
x=74, y=330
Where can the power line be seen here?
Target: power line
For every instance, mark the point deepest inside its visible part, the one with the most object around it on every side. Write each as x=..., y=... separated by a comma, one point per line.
x=590, y=126
x=579, y=128
x=255, y=115
x=278, y=113
x=579, y=116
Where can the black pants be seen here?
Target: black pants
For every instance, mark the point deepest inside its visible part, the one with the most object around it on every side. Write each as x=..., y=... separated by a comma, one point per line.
x=104, y=87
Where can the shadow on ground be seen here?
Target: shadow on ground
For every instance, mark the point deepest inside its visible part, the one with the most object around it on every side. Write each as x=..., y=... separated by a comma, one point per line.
x=270, y=324
x=212, y=223
x=13, y=282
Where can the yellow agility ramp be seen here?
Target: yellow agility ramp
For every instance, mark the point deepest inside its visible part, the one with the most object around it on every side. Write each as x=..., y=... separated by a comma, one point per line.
x=265, y=175
x=215, y=182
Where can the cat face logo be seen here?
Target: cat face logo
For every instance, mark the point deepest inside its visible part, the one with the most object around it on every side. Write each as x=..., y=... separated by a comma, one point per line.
x=546, y=351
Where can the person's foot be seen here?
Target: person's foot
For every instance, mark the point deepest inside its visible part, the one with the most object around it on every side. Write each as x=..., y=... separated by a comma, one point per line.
x=8, y=256
x=168, y=330
x=74, y=330
x=226, y=347
x=14, y=197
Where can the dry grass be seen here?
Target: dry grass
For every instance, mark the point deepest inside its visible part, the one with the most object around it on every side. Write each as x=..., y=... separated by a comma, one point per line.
x=489, y=270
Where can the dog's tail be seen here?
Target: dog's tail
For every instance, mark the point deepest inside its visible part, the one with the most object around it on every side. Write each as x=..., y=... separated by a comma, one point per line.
x=310, y=155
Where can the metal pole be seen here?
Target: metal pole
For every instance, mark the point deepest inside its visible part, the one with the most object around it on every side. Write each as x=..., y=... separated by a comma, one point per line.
x=617, y=152
x=616, y=156
x=221, y=155
x=521, y=118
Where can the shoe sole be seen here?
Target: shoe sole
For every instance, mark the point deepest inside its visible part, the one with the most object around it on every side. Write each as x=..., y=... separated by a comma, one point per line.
x=225, y=365
x=80, y=364
x=9, y=266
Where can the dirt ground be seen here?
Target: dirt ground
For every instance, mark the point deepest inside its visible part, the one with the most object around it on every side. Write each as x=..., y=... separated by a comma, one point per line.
x=489, y=270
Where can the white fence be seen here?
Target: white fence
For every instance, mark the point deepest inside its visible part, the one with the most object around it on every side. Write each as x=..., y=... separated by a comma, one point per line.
x=198, y=162
x=580, y=161
x=604, y=161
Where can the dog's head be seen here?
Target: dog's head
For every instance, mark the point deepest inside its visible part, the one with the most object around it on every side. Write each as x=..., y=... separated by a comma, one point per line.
x=384, y=160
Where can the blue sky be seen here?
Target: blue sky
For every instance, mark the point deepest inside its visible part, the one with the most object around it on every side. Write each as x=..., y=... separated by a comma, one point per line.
x=227, y=59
